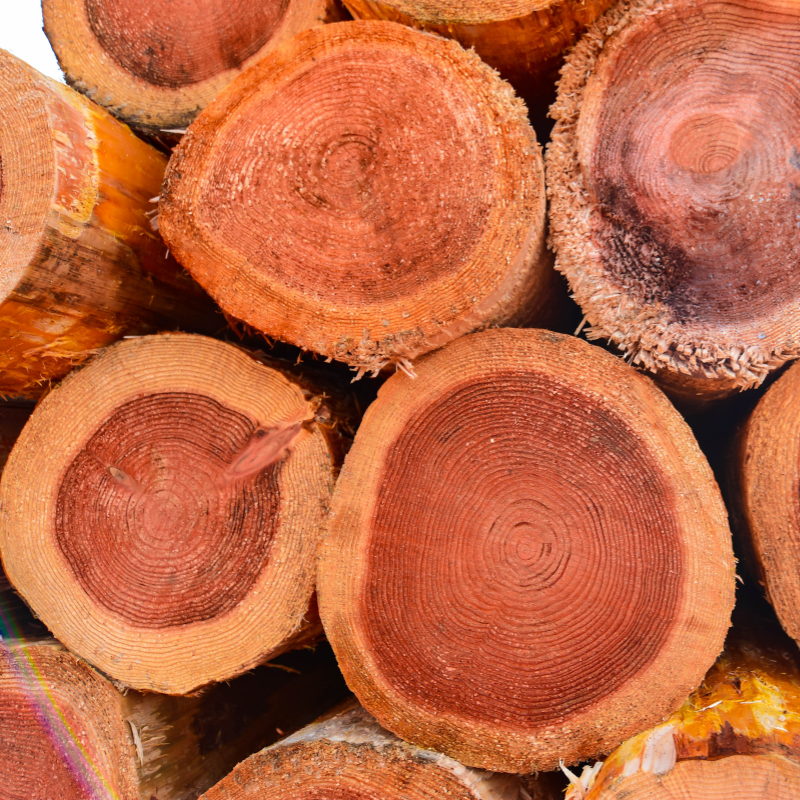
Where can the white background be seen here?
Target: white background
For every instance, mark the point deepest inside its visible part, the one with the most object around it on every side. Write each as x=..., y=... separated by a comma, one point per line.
x=21, y=33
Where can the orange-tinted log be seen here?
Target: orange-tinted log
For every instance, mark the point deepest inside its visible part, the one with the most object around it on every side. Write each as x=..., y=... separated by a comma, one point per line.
x=765, y=475
x=80, y=265
x=350, y=757
x=66, y=733
x=524, y=40
x=527, y=558
x=367, y=192
x=736, y=736
x=156, y=64
x=673, y=177
x=162, y=510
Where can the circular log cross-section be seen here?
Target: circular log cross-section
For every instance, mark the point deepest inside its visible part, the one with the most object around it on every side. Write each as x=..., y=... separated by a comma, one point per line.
x=673, y=176
x=350, y=757
x=80, y=265
x=524, y=40
x=155, y=64
x=765, y=478
x=162, y=510
x=527, y=556
x=402, y=208
x=61, y=732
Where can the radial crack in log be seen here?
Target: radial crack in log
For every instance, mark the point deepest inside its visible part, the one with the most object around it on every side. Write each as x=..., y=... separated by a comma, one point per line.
x=80, y=265
x=367, y=192
x=527, y=558
x=673, y=176
x=350, y=757
x=155, y=64
x=162, y=509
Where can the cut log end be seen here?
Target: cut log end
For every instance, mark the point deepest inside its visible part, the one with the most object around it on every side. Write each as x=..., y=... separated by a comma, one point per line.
x=672, y=174
x=61, y=734
x=156, y=64
x=488, y=579
x=350, y=757
x=179, y=490
x=403, y=207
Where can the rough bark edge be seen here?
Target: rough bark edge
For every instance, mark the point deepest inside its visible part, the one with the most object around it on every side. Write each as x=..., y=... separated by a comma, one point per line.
x=611, y=314
x=526, y=284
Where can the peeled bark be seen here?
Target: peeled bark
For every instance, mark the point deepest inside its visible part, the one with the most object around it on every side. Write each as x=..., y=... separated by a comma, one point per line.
x=764, y=476
x=524, y=40
x=402, y=208
x=736, y=736
x=672, y=176
x=350, y=757
x=66, y=733
x=80, y=263
x=162, y=508
x=156, y=64
x=527, y=558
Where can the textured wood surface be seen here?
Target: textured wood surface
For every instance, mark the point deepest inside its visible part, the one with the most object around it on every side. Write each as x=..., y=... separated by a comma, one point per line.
x=156, y=64
x=671, y=175
x=81, y=265
x=162, y=508
x=402, y=208
x=527, y=558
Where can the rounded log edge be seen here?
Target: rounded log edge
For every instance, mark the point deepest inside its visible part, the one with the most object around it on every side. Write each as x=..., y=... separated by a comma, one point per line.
x=534, y=447
x=144, y=477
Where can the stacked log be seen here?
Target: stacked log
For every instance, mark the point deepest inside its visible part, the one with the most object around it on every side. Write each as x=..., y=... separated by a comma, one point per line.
x=736, y=736
x=524, y=41
x=162, y=509
x=763, y=477
x=67, y=732
x=350, y=755
x=527, y=558
x=155, y=64
x=672, y=175
x=81, y=265
x=402, y=208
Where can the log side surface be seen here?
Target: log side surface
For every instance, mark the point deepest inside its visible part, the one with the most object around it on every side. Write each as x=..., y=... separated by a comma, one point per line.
x=672, y=177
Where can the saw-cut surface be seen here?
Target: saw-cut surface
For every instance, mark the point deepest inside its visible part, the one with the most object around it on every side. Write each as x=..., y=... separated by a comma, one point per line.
x=350, y=757
x=162, y=510
x=61, y=734
x=368, y=192
x=673, y=177
x=524, y=41
x=765, y=496
x=156, y=63
x=80, y=265
x=527, y=556
x=735, y=736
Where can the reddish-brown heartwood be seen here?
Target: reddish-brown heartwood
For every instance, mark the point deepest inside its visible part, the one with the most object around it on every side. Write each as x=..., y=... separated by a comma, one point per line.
x=67, y=732
x=764, y=477
x=527, y=557
x=368, y=192
x=162, y=509
x=80, y=264
x=672, y=173
x=156, y=64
